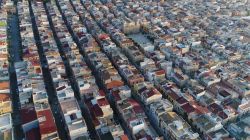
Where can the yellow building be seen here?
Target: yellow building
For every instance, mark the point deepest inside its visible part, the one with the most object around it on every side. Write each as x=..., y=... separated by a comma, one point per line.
x=5, y=104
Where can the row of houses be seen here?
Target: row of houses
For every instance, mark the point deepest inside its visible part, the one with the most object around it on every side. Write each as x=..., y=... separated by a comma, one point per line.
x=33, y=97
x=181, y=105
x=188, y=60
x=132, y=114
x=6, y=130
x=101, y=116
x=75, y=125
x=139, y=127
x=178, y=76
x=154, y=61
x=121, y=62
x=96, y=103
x=202, y=66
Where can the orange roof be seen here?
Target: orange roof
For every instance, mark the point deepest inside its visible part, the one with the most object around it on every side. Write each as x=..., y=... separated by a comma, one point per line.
x=4, y=85
x=4, y=97
x=124, y=137
x=114, y=84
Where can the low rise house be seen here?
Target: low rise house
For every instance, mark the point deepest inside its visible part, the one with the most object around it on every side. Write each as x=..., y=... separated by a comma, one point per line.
x=147, y=93
x=240, y=85
x=73, y=119
x=6, y=131
x=218, y=134
x=135, y=119
x=107, y=73
x=207, y=124
x=240, y=127
x=6, y=126
x=128, y=71
x=47, y=126
x=179, y=77
x=5, y=103
x=175, y=127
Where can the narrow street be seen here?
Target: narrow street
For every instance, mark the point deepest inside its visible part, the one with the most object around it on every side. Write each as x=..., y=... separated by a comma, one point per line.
x=53, y=100
x=14, y=43
x=70, y=75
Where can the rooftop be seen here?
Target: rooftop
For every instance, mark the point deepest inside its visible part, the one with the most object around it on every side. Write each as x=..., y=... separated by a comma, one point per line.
x=6, y=122
x=46, y=122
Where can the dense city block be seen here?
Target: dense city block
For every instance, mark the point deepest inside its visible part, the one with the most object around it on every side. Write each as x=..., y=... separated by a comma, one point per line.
x=124, y=69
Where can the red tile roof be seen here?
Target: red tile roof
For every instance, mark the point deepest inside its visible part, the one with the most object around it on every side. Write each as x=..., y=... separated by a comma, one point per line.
x=47, y=125
x=102, y=102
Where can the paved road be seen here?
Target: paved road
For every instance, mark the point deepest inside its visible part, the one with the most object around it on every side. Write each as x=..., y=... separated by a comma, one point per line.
x=14, y=51
x=15, y=48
